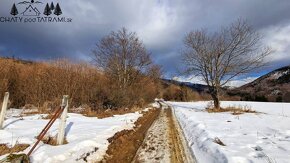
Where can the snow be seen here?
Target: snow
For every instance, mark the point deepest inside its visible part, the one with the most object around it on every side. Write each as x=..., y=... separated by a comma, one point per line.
x=279, y=74
x=240, y=82
x=251, y=137
x=84, y=135
x=236, y=82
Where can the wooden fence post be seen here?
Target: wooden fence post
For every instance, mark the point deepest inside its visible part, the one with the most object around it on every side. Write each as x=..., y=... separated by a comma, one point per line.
x=62, y=124
x=3, y=110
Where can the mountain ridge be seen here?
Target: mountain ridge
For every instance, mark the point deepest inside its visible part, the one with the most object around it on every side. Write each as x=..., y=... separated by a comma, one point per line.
x=273, y=86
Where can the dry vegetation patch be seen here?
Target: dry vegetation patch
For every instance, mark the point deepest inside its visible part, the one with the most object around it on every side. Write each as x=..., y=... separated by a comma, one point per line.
x=42, y=85
x=5, y=149
x=234, y=110
x=109, y=112
x=52, y=140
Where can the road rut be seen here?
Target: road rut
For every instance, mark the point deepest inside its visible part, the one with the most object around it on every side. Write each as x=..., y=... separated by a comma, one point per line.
x=164, y=141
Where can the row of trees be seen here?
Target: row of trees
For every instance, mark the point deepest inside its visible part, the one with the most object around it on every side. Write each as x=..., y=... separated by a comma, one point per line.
x=48, y=9
x=216, y=57
x=125, y=74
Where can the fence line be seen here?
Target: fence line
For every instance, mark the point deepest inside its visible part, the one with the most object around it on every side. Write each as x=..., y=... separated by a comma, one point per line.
x=62, y=124
x=3, y=110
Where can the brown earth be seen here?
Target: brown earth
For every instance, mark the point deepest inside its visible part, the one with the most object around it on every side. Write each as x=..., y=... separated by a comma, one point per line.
x=4, y=149
x=124, y=145
x=177, y=149
x=109, y=112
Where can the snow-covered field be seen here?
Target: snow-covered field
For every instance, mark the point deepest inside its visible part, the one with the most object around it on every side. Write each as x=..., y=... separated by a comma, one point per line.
x=249, y=138
x=84, y=135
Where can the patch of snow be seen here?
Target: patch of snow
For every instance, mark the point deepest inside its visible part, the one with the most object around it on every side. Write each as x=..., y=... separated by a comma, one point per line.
x=279, y=74
x=155, y=105
x=276, y=92
x=233, y=83
x=191, y=79
x=240, y=82
x=84, y=135
x=248, y=137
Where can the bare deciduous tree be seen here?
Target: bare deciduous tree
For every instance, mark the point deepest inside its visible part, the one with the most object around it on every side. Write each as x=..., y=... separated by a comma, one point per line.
x=123, y=56
x=219, y=57
x=125, y=61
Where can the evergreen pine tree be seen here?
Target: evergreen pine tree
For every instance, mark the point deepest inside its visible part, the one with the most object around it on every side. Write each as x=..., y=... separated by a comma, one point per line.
x=14, y=10
x=52, y=6
x=57, y=10
x=47, y=10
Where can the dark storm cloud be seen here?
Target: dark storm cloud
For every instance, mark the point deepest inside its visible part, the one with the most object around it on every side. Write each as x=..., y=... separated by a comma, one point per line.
x=161, y=25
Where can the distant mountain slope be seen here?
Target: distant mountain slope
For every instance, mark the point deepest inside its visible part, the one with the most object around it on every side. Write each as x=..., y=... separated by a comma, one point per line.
x=183, y=91
x=274, y=86
x=194, y=86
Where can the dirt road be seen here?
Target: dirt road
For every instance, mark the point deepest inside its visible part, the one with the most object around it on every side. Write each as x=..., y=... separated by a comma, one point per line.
x=164, y=141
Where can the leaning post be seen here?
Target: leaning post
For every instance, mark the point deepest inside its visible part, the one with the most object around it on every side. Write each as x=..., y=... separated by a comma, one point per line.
x=62, y=124
x=3, y=110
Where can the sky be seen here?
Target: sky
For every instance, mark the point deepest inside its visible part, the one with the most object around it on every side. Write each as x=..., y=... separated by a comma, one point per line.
x=161, y=25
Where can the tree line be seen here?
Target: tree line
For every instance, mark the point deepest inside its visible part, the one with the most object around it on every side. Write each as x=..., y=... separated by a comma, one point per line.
x=123, y=74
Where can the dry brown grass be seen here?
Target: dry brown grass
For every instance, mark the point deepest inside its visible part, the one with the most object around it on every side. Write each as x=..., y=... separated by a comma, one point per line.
x=109, y=112
x=234, y=110
x=100, y=113
x=42, y=84
x=4, y=149
x=52, y=140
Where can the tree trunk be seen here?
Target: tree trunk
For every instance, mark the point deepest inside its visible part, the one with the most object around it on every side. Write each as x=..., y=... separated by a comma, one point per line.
x=215, y=97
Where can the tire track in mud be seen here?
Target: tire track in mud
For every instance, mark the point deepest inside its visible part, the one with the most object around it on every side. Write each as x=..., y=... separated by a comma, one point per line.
x=157, y=137
x=164, y=141
x=156, y=145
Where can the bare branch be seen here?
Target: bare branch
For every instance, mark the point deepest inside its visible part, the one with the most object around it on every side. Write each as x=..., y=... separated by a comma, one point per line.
x=224, y=55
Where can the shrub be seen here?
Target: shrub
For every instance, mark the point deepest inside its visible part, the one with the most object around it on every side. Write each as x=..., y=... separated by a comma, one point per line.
x=43, y=84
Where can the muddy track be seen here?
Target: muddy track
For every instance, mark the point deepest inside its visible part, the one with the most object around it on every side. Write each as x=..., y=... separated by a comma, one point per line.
x=181, y=152
x=156, y=138
x=177, y=150
x=164, y=141
x=157, y=145
x=124, y=145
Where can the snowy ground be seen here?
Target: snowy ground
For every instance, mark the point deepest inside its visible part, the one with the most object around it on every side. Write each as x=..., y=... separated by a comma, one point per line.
x=263, y=137
x=84, y=135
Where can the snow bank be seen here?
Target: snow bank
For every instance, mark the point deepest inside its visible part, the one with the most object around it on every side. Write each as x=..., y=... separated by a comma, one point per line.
x=84, y=134
x=248, y=138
